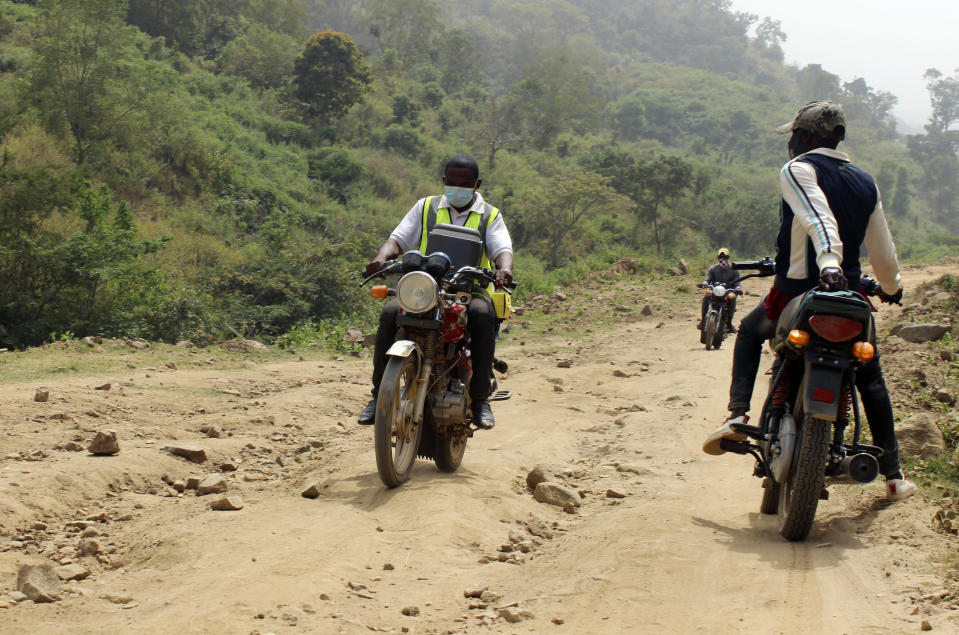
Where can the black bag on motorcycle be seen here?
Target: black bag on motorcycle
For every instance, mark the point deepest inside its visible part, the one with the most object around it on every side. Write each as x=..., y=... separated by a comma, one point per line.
x=463, y=245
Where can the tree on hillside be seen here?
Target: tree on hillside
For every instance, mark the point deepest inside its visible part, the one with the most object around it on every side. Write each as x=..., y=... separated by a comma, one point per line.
x=330, y=75
x=263, y=57
x=660, y=182
x=77, y=81
x=409, y=27
x=936, y=150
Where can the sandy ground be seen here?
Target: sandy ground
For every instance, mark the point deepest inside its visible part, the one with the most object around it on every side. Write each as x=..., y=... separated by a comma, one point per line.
x=684, y=551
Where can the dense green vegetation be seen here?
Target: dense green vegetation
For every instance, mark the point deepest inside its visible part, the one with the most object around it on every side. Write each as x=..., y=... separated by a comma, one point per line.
x=180, y=169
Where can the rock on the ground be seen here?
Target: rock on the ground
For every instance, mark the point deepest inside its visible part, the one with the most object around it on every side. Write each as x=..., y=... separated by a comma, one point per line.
x=245, y=346
x=212, y=430
x=475, y=591
x=72, y=572
x=38, y=582
x=918, y=333
x=212, y=484
x=513, y=615
x=185, y=344
x=41, y=395
x=88, y=547
x=105, y=443
x=536, y=476
x=192, y=482
x=226, y=504
x=920, y=436
x=311, y=491
x=411, y=611
x=612, y=493
x=556, y=494
x=647, y=310
x=194, y=453
x=945, y=396
x=17, y=596
x=104, y=387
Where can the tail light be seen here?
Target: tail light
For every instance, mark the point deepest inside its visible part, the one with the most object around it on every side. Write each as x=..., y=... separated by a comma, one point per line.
x=835, y=328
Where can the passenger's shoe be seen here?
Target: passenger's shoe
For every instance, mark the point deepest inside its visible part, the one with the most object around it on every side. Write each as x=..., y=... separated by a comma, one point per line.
x=732, y=329
x=899, y=488
x=711, y=445
x=368, y=416
x=483, y=415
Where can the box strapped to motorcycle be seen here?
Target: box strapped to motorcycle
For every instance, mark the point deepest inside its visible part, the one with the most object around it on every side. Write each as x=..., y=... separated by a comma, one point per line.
x=465, y=246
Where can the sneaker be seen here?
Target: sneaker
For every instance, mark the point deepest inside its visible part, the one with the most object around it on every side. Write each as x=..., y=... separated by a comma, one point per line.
x=711, y=444
x=899, y=488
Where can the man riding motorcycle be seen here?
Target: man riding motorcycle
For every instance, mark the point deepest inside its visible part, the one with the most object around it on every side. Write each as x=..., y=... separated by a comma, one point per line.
x=829, y=208
x=721, y=273
x=460, y=205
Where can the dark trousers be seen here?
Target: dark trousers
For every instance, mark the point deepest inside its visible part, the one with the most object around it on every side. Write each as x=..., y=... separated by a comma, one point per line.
x=730, y=310
x=481, y=325
x=756, y=328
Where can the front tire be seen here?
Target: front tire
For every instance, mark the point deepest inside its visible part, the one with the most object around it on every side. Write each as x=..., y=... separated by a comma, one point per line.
x=396, y=435
x=710, y=329
x=799, y=496
x=449, y=451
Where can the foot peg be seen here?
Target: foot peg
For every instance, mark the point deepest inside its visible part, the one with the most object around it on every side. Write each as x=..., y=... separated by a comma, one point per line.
x=750, y=431
x=501, y=395
x=736, y=447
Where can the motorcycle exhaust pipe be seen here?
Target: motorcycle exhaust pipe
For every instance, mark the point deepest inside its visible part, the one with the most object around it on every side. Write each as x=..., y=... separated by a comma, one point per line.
x=859, y=468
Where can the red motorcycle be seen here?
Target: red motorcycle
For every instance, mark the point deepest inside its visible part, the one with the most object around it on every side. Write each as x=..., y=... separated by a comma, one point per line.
x=423, y=405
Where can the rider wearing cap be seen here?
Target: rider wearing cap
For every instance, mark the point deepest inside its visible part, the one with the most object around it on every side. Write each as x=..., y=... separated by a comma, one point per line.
x=829, y=208
x=721, y=273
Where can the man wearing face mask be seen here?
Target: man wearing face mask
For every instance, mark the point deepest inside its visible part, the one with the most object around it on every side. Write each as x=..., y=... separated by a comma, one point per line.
x=830, y=207
x=460, y=205
x=721, y=273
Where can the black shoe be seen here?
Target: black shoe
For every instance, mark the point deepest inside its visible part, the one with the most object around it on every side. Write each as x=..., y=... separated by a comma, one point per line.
x=500, y=365
x=368, y=416
x=483, y=415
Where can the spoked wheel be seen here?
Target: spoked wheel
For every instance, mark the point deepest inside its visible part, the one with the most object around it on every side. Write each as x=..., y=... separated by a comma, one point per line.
x=710, y=329
x=799, y=496
x=396, y=435
x=450, y=450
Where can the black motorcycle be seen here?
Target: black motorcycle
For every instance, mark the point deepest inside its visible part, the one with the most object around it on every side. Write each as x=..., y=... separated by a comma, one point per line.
x=821, y=340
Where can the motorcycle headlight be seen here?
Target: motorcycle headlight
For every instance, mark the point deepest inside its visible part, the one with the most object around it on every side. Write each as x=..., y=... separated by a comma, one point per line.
x=417, y=292
x=719, y=291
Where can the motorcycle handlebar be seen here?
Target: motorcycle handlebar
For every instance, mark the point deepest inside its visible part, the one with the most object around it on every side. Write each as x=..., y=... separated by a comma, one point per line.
x=765, y=266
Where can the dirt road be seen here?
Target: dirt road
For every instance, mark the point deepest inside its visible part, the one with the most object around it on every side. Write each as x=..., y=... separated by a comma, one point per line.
x=684, y=551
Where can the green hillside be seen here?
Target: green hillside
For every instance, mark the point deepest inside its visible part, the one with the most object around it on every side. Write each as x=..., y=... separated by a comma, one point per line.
x=185, y=169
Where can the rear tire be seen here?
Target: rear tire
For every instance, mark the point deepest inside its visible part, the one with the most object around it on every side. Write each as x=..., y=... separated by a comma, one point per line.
x=449, y=451
x=710, y=329
x=396, y=435
x=799, y=496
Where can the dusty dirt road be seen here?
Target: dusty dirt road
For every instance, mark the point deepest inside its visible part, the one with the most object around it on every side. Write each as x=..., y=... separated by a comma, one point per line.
x=684, y=551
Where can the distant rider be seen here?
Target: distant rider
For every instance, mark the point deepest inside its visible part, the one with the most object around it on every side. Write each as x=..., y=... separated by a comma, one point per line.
x=721, y=273
x=460, y=205
x=829, y=208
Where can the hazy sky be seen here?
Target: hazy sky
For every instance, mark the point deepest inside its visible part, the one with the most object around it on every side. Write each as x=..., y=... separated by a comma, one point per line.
x=889, y=43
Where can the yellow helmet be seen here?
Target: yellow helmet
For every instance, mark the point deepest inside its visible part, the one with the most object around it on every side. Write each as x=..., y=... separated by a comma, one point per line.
x=724, y=252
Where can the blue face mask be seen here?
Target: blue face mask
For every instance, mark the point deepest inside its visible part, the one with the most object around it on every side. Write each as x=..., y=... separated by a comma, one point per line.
x=458, y=196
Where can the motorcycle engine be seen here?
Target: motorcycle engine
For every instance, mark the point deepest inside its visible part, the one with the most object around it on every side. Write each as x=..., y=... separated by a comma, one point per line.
x=448, y=408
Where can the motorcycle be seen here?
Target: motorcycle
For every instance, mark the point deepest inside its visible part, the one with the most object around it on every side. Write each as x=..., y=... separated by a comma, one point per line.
x=423, y=405
x=821, y=340
x=715, y=328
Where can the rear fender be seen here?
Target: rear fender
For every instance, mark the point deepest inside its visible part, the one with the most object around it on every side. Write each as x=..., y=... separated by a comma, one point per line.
x=822, y=389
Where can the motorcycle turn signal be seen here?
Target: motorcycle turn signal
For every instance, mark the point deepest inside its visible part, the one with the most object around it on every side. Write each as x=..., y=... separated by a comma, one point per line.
x=863, y=351
x=380, y=291
x=798, y=338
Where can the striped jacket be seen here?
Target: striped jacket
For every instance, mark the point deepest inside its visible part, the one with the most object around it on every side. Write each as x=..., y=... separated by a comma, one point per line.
x=830, y=208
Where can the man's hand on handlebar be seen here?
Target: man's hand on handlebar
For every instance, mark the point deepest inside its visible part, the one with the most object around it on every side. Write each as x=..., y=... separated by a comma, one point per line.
x=890, y=298
x=374, y=266
x=504, y=278
x=833, y=279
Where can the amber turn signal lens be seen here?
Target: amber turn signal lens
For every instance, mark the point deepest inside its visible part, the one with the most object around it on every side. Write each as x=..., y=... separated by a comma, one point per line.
x=707, y=291
x=380, y=291
x=798, y=338
x=863, y=351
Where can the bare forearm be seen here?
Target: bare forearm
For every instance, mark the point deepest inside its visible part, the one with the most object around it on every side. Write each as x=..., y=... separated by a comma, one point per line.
x=389, y=249
x=505, y=261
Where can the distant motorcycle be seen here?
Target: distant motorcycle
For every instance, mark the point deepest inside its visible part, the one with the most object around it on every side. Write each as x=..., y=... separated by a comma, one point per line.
x=423, y=404
x=715, y=328
x=822, y=338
